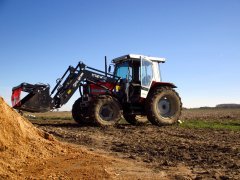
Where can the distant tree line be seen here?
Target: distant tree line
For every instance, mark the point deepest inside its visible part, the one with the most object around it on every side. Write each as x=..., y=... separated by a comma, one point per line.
x=228, y=106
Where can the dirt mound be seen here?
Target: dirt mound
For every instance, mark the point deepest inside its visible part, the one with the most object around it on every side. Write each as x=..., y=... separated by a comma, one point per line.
x=20, y=141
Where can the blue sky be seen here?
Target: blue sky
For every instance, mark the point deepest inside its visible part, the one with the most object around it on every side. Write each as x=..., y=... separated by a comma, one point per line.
x=39, y=39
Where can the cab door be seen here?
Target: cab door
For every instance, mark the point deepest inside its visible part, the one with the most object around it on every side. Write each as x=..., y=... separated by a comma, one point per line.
x=146, y=76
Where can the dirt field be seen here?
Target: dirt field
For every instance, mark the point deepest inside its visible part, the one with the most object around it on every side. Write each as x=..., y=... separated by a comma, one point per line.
x=179, y=151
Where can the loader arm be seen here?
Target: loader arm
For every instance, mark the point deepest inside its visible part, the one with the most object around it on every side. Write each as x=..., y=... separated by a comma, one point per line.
x=77, y=76
x=40, y=100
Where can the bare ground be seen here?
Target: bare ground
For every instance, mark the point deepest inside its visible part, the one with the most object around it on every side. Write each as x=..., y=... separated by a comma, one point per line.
x=172, y=152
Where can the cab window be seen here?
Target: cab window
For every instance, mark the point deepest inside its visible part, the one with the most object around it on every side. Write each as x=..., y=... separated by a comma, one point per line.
x=146, y=73
x=123, y=70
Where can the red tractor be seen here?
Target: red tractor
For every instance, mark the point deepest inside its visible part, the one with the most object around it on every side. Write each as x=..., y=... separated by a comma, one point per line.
x=134, y=90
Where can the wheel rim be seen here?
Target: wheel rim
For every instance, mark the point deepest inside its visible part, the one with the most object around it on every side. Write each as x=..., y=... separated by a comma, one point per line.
x=106, y=112
x=164, y=107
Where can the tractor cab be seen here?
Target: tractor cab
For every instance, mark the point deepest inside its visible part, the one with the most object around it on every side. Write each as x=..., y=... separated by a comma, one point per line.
x=137, y=74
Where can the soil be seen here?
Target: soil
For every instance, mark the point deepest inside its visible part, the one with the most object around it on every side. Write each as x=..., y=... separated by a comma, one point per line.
x=177, y=152
x=29, y=153
x=21, y=142
x=61, y=149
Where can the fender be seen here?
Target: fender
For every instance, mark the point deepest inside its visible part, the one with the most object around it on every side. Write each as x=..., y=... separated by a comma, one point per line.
x=160, y=84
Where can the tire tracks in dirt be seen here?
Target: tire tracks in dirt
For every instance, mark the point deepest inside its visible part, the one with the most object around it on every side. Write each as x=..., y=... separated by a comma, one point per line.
x=206, y=153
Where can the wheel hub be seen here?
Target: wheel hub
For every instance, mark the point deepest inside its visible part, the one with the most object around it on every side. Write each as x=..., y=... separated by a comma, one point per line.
x=164, y=106
x=106, y=112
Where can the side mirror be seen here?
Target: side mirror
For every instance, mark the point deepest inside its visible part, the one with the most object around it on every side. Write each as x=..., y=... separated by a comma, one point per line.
x=109, y=68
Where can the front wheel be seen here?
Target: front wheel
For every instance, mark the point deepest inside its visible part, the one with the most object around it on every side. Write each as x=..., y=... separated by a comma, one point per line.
x=105, y=111
x=163, y=106
x=79, y=113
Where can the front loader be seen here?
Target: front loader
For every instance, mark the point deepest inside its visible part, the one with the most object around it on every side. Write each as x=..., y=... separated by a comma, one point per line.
x=134, y=90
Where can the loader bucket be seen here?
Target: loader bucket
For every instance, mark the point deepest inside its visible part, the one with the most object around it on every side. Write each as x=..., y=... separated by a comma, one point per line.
x=38, y=99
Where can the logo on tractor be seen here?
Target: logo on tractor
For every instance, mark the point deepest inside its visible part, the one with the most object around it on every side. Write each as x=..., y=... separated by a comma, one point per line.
x=98, y=76
x=78, y=80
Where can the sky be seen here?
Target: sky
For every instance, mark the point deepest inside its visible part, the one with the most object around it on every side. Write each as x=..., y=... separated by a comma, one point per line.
x=200, y=40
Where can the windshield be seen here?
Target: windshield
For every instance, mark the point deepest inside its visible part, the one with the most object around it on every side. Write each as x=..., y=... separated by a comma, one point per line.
x=123, y=70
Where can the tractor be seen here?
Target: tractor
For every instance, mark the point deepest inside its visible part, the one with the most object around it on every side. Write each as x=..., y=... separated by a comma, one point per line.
x=133, y=89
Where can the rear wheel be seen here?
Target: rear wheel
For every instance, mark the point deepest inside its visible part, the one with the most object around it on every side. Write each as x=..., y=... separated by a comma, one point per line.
x=79, y=113
x=135, y=119
x=105, y=111
x=163, y=106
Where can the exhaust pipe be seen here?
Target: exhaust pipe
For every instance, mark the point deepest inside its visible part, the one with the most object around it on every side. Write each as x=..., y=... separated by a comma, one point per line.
x=106, y=66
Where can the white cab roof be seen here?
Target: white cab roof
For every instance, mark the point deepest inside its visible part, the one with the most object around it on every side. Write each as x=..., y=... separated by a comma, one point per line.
x=137, y=57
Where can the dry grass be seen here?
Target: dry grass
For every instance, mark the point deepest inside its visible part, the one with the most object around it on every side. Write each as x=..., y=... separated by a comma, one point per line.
x=212, y=118
x=216, y=114
x=61, y=115
x=187, y=114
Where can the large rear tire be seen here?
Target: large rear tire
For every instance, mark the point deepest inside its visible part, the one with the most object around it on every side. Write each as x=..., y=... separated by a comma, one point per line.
x=105, y=111
x=163, y=106
x=135, y=119
x=79, y=113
